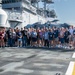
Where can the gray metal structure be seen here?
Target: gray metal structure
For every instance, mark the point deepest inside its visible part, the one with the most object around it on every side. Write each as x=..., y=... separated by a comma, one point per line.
x=8, y=4
x=16, y=9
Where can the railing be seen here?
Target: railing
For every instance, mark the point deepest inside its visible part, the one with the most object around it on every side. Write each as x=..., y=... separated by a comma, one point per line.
x=33, y=9
x=29, y=7
x=14, y=16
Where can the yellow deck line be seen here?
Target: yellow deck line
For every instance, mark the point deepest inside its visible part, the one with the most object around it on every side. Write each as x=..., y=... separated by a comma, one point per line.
x=73, y=73
x=70, y=68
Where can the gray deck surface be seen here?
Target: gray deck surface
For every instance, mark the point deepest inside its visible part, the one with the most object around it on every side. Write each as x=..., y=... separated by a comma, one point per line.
x=34, y=61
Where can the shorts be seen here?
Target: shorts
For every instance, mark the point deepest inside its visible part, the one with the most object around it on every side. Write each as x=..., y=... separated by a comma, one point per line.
x=70, y=38
x=57, y=39
x=74, y=38
x=61, y=40
x=19, y=39
x=50, y=39
x=34, y=39
x=5, y=40
x=66, y=40
x=40, y=38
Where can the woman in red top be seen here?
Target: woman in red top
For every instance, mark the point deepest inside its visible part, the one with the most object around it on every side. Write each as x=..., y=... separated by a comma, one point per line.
x=2, y=38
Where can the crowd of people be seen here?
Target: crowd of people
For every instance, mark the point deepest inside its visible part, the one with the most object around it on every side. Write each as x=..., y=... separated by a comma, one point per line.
x=40, y=37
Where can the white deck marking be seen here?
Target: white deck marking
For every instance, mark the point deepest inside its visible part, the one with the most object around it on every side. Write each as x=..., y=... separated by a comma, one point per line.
x=5, y=54
x=73, y=55
x=23, y=70
x=11, y=66
x=70, y=68
x=22, y=55
x=45, y=64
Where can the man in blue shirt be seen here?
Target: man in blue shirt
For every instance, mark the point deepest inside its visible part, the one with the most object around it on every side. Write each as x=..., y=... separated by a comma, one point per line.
x=19, y=36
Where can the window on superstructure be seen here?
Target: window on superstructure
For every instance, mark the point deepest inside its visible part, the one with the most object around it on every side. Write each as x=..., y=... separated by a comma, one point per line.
x=10, y=1
x=17, y=0
x=6, y=1
x=13, y=1
x=3, y=2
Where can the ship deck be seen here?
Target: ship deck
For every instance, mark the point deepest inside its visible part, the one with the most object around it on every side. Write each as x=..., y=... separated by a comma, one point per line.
x=35, y=61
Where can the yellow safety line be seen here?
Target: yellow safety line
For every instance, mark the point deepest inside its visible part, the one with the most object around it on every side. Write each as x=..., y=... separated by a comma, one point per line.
x=73, y=73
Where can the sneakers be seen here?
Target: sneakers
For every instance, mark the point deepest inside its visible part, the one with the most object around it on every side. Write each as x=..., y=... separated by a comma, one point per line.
x=59, y=46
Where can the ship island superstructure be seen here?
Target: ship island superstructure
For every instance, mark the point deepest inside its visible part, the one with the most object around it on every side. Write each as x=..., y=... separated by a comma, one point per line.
x=23, y=12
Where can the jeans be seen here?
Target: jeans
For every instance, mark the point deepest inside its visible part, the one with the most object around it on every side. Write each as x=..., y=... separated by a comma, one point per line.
x=24, y=41
x=13, y=42
x=10, y=42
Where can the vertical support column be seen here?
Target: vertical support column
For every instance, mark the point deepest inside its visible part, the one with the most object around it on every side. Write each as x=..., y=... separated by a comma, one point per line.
x=38, y=9
x=29, y=18
x=44, y=8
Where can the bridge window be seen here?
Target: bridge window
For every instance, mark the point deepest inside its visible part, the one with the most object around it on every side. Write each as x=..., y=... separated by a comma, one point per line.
x=10, y=1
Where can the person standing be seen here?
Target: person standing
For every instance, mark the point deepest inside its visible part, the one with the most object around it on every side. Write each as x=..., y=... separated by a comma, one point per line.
x=50, y=37
x=71, y=36
x=61, y=37
x=13, y=38
x=24, y=37
x=74, y=38
x=29, y=37
x=66, y=37
x=9, y=36
x=2, y=38
x=46, y=38
x=19, y=36
x=55, y=36
x=34, y=37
